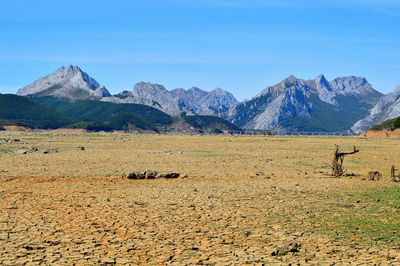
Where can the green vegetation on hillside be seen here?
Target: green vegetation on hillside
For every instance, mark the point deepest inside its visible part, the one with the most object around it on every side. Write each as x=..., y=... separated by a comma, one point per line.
x=213, y=123
x=391, y=124
x=328, y=118
x=20, y=110
x=128, y=121
x=105, y=116
x=103, y=111
x=49, y=101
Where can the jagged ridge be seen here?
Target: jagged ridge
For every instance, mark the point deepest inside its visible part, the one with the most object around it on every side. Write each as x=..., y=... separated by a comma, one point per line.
x=276, y=106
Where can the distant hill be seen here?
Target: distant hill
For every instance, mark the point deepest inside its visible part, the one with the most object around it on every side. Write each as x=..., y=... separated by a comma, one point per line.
x=23, y=111
x=127, y=122
x=207, y=122
x=390, y=124
x=104, y=111
x=98, y=116
x=49, y=102
x=203, y=124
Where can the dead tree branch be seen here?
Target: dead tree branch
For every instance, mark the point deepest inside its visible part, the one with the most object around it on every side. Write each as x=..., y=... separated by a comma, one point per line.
x=337, y=161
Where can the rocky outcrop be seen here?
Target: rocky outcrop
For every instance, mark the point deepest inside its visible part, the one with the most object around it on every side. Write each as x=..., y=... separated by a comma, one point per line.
x=66, y=82
x=388, y=107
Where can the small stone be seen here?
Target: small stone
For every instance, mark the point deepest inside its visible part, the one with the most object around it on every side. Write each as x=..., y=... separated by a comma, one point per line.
x=373, y=176
x=292, y=247
x=21, y=152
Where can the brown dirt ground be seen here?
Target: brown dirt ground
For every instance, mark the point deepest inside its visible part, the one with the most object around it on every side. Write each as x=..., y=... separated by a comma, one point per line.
x=17, y=128
x=73, y=207
x=383, y=133
x=67, y=131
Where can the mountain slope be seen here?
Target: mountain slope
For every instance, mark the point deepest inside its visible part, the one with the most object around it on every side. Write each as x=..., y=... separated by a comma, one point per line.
x=388, y=107
x=197, y=101
x=68, y=83
x=202, y=124
x=102, y=111
x=22, y=110
x=391, y=124
x=193, y=101
x=211, y=123
x=307, y=105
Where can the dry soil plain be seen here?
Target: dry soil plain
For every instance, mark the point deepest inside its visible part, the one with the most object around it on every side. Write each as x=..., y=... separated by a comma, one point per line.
x=73, y=207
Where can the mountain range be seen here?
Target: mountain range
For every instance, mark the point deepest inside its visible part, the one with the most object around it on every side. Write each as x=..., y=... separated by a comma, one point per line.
x=191, y=101
x=343, y=104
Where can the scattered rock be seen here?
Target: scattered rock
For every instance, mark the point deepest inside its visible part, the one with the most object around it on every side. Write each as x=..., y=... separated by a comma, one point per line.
x=292, y=247
x=53, y=150
x=373, y=176
x=9, y=140
x=165, y=152
x=150, y=175
x=32, y=149
x=168, y=175
x=21, y=152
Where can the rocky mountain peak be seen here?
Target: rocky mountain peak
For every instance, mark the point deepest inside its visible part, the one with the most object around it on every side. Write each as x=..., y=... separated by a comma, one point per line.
x=289, y=81
x=195, y=89
x=351, y=84
x=219, y=91
x=321, y=80
x=66, y=82
x=325, y=92
x=147, y=88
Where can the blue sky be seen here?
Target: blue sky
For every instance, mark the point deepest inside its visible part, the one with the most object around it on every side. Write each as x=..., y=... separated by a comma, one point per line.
x=239, y=45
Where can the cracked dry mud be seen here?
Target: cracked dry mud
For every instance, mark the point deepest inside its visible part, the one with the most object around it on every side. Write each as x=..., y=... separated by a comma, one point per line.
x=168, y=221
x=222, y=220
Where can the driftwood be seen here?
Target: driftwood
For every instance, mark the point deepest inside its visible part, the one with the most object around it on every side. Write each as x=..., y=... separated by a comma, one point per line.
x=337, y=161
x=395, y=178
